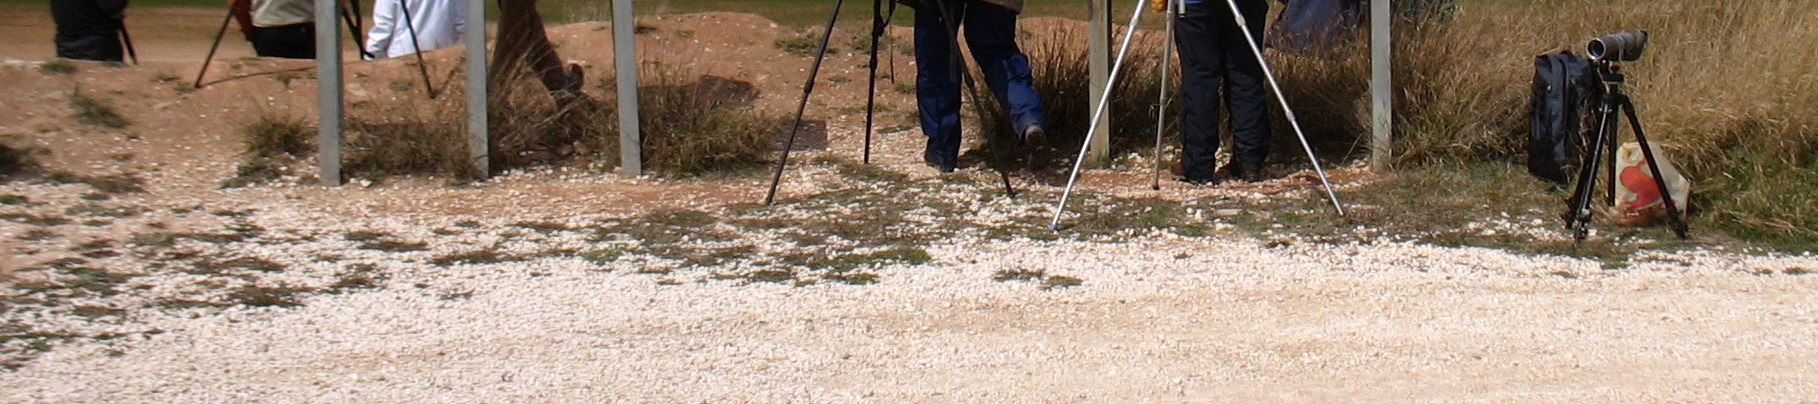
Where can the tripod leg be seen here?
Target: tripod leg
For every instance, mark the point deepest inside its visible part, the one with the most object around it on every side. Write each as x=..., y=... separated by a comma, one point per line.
x=1255, y=47
x=1161, y=113
x=353, y=26
x=877, y=29
x=216, y=45
x=416, y=47
x=1098, y=113
x=807, y=89
x=127, y=39
x=1579, y=218
x=1647, y=151
x=1609, y=164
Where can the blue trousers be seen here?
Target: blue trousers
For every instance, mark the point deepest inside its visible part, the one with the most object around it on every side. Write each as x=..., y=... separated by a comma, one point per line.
x=991, y=35
x=1214, y=54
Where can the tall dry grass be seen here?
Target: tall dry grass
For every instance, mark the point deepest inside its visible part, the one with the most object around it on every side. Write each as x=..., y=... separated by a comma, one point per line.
x=1061, y=73
x=1727, y=88
x=690, y=125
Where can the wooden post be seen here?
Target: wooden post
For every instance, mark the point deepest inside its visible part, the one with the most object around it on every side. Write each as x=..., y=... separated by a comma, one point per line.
x=1381, y=93
x=1098, y=48
x=625, y=62
x=329, y=90
x=477, y=125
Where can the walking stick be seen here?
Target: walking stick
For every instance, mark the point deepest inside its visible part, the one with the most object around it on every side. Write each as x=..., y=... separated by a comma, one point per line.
x=877, y=29
x=127, y=39
x=978, y=106
x=417, y=47
x=807, y=89
x=216, y=45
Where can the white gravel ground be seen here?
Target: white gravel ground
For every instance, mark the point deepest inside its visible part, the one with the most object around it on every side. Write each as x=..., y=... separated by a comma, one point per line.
x=1158, y=317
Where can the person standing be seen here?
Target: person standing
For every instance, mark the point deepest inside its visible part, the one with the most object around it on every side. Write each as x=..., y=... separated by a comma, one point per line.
x=1214, y=54
x=284, y=28
x=991, y=35
x=89, y=29
x=435, y=24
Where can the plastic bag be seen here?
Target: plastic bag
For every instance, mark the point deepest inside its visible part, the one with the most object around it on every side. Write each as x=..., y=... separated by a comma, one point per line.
x=1638, y=201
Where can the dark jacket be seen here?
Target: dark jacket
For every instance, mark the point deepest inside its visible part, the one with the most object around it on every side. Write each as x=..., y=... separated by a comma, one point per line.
x=88, y=29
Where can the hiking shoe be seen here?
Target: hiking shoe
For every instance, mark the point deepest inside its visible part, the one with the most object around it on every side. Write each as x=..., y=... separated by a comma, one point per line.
x=1034, y=135
x=934, y=161
x=1237, y=172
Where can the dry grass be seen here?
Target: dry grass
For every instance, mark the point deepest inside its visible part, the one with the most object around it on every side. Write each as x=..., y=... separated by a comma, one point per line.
x=1728, y=89
x=94, y=112
x=416, y=137
x=271, y=133
x=14, y=160
x=695, y=124
x=528, y=127
x=1062, y=75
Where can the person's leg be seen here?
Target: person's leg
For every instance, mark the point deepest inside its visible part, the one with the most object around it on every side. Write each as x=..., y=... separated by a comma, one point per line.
x=991, y=34
x=1244, y=92
x=937, y=90
x=1198, y=35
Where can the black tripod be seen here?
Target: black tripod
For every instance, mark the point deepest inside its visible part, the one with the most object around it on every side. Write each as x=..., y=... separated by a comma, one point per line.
x=1579, y=217
x=808, y=89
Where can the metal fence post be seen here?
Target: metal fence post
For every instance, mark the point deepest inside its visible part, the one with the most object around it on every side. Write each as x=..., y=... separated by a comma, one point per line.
x=475, y=39
x=329, y=88
x=625, y=62
x=1381, y=94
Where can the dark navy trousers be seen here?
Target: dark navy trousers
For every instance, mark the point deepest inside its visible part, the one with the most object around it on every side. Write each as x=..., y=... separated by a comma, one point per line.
x=991, y=36
x=1214, y=54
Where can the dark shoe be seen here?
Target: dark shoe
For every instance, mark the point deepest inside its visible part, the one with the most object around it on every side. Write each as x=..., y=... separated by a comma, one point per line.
x=1034, y=135
x=1237, y=172
x=934, y=161
x=1177, y=171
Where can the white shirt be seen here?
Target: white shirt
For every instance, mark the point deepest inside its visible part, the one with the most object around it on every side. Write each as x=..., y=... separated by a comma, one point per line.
x=438, y=23
x=278, y=13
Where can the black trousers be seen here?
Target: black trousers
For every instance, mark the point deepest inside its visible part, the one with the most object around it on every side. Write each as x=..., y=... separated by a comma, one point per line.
x=1214, y=54
x=295, y=41
x=102, y=47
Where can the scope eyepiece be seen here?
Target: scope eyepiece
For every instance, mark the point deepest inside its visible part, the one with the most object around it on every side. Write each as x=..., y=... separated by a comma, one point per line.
x=1618, y=47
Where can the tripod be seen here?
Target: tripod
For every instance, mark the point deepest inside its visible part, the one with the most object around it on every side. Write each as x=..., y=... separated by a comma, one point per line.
x=1579, y=217
x=808, y=88
x=1255, y=48
x=352, y=20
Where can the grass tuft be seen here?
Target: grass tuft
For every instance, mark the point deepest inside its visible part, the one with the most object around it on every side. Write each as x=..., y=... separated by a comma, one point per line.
x=271, y=134
x=94, y=112
x=57, y=67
